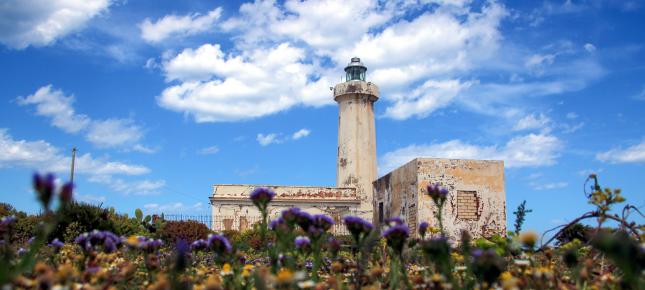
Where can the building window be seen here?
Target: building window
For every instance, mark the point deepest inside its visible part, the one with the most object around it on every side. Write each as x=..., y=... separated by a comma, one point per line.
x=380, y=212
x=467, y=205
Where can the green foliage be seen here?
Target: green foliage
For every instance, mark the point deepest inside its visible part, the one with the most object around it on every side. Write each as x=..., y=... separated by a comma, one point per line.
x=6, y=210
x=520, y=216
x=73, y=230
x=189, y=231
x=86, y=216
x=575, y=232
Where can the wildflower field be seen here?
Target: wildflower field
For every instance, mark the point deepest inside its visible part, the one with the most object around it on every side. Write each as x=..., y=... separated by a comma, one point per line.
x=77, y=246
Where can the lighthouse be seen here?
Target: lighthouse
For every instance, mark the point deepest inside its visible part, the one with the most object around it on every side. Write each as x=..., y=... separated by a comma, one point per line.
x=356, y=160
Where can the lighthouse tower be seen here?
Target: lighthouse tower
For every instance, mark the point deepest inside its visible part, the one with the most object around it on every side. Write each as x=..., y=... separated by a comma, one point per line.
x=356, y=163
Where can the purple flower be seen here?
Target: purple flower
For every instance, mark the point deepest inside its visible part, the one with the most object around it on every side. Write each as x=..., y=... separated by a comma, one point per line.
x=302, y=242
x=44, y=186
x=279, y=225
x=304, y=220
x=219, y=244
x=437, y=193
x=261, y=196
x=31, y=240
x=357, y=226
x=290, y=216
x=396, y=237
x=66, y=191
x=5, y=221
x=199, y=245
x=56, y=243
x=323, y=222
x=423, y=228
x=21, y=251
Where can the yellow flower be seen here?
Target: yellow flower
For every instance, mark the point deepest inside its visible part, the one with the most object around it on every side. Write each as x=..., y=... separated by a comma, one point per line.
x=246, y=271
x=505, y=276
x=284, y=276
x=529, y=239
x=226, y=270
x=133, y=241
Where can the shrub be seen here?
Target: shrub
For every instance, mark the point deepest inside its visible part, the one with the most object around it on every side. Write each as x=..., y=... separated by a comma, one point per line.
x=125, y=226
x=87, y=217
x=173, y=231
x=575, y=232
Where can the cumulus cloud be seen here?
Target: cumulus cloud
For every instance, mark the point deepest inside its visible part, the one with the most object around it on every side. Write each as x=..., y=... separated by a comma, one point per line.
x=137, y=187
x=532, y=121
x=217, y=87
x=54, y=104
x=424, y=56
x=302, y=133
x=109, y=133
x=281, y=47
x=268, y=139
x=41, y=155
x=632, y=154
x=42, y=22
x=532, y=150
x=174, y=25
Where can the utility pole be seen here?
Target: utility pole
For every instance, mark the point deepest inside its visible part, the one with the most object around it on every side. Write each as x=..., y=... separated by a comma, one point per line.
x=71, y=176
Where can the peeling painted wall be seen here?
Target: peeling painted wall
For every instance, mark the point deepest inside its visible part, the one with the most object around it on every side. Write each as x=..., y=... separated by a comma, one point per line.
x=356, y=160
x=232, y=202
x=483, y=179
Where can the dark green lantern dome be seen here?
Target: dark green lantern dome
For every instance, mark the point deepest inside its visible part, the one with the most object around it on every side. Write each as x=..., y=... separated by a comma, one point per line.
x=355, y=70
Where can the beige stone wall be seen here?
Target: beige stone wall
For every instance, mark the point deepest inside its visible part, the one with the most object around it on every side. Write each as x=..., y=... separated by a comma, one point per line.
x=397, y=192
x=232, y=209
x=476, y=200
x=356, y=161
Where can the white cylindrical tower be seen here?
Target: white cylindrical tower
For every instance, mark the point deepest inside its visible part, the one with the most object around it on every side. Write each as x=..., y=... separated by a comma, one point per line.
x=356, y=163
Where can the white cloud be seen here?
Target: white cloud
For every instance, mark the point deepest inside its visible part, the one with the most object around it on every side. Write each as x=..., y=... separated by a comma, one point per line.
x=208, y=150
x=216, y=87
x=570, y=128
x=533, y=121
x=422, y=61
x=42, y=156
x=532, y=150
x=268, y=139
x=277, y=63
x=304, y=132
x=113, y=133
x=548, y=186
x=425, y=99
x=572, y=115
x=55, y=105
x=171, y=25
x=632, y=154
x=590, y=47
x=138, y=187
x=42, y=22
x=144, y=149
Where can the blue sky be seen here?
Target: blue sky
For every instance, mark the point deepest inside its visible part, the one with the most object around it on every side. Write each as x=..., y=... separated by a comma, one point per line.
x=165, y=98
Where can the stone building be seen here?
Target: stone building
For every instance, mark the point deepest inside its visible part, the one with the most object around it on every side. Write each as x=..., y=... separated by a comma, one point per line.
x=476, y=202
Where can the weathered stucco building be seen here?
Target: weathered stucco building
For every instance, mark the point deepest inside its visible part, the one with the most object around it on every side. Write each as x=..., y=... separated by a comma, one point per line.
x=476, y=201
